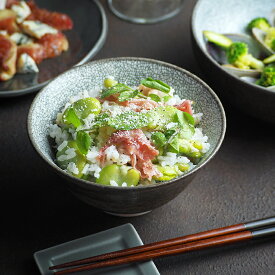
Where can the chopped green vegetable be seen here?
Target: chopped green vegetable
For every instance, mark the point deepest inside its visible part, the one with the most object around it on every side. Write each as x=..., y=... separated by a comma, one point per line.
x=183, y=166
x=158, y=139
x=218, y=39
x=156, y=84
x=109, y=82
x=83, y=141
x=237, y=55
x=78, y=159
x=127, y=95
x=86, y=106
x=267, y=77
x=117, y=89
x=79, y=110
x=155, y=97
x=260, y=23
x=129, y=121
x=187, y=122
x=159, y=117
x=118, y=174
x=70, y=117
x=168, y=173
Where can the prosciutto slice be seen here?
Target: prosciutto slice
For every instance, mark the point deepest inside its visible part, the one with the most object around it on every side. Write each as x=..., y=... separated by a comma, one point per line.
x=185, y=106
x=135, y=144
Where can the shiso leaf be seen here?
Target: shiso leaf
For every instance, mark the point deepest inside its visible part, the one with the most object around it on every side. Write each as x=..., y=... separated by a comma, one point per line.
x=117, y=89
x=127, y=95
x=155, y=97
x=156, y=84
x=83, y=141
x=186, y=122
x=158, y=139
x=129, y=121
x=70, y=117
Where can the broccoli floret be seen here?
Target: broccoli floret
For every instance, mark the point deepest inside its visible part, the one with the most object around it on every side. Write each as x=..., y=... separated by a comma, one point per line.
x=218, y=39
x=260, y=23
x=267, y=77
x=238, y=56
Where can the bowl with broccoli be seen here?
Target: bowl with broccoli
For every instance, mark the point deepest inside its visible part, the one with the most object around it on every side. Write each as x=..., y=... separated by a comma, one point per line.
x=234, y=43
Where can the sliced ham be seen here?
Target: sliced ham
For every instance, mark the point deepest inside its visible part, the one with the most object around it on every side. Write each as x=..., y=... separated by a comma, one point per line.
x=185, y=106
x=135, y=144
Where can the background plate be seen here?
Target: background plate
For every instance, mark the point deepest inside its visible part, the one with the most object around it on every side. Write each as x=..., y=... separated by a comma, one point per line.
x=85, y=40
x=116, y=238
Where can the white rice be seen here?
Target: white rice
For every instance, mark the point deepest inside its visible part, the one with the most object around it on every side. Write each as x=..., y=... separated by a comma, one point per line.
x=72, y=168
x=171, y=159
x=56, y=132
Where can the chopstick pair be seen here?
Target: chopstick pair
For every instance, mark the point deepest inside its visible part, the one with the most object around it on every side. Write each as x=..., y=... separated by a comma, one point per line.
x=212, y=238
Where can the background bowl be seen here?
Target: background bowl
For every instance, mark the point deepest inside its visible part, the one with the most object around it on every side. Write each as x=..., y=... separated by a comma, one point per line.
x=123, y=200
x=232, y=16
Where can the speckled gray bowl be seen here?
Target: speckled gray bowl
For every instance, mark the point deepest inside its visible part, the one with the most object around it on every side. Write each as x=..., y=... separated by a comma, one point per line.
x=124, y=200
x=232, y=16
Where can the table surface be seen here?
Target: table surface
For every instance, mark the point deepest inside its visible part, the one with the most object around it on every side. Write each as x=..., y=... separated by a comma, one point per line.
x=236, y=186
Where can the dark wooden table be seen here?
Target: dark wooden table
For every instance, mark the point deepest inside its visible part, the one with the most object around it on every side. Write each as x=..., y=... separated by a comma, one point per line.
x=237, y=185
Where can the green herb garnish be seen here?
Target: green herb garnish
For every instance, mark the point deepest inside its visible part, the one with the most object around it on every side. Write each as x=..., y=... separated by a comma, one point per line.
x=156, y=84
x=124, y=96
x=83, y=141
x=155, y=97
x=117, y=89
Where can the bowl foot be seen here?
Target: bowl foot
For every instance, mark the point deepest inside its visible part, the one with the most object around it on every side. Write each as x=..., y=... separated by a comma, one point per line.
x=127, y=215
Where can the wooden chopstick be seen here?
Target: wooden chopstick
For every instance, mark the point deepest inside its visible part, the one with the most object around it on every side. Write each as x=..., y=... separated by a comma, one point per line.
x=192, y=242
x=172, y=242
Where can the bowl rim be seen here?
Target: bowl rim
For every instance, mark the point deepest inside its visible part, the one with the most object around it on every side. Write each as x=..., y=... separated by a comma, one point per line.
x=149, y=186
x=212, y=60
x=90, y=54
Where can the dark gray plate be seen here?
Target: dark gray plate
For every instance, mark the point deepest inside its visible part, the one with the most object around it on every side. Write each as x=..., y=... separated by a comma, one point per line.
x=85, y=39
x=116, y=238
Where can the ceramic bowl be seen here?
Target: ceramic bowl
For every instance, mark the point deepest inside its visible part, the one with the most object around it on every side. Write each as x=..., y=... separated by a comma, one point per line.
x=84, y=43
x=231, y=16
x=124, y=200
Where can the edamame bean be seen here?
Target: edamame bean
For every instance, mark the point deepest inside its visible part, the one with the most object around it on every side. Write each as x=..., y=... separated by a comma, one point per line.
x=119, y=174
x=168, y=173
x=197, y=144
x=86, y=106
x=109, y=82
x=183, y=166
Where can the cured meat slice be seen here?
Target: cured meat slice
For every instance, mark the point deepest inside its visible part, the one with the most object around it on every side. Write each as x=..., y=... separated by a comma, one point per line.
x=185, y=106
x=135, y=144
